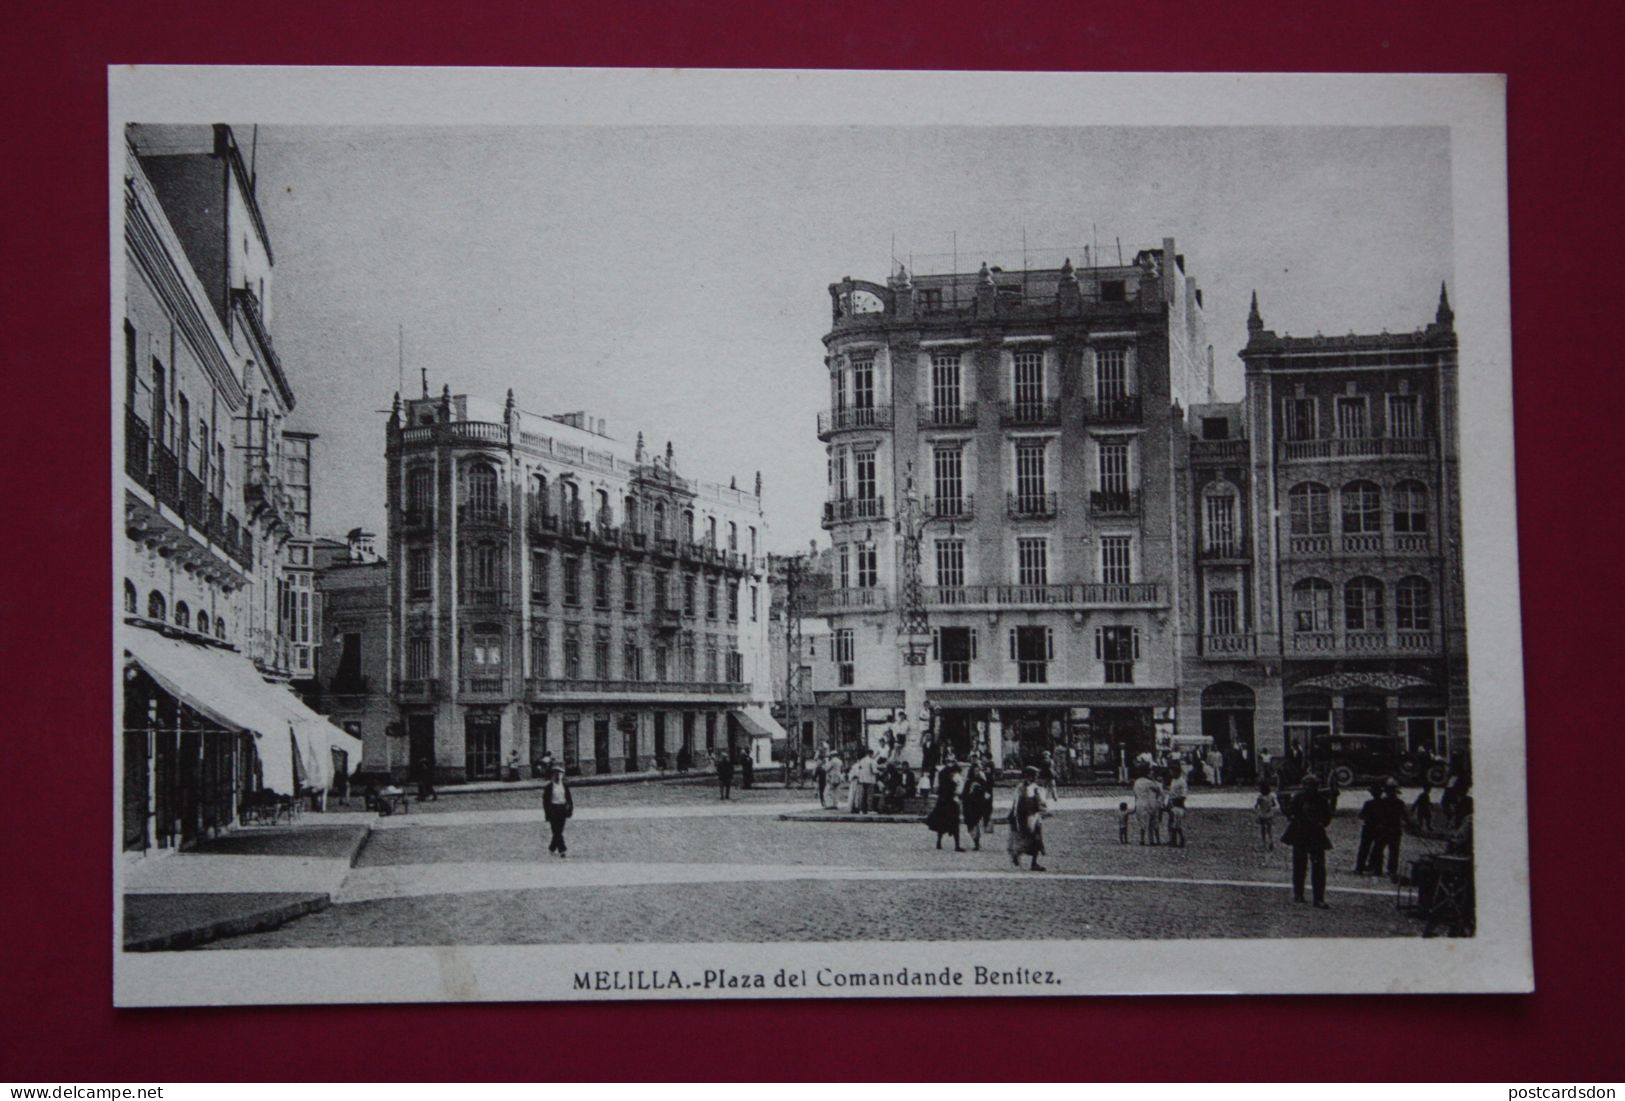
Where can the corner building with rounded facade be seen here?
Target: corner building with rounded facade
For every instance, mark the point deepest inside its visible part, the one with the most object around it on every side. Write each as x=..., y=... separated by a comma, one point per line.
x=552, y=593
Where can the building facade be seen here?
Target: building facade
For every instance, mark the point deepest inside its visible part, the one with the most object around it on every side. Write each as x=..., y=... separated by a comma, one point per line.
x=208, y=515
x=1327, y=608
x=552, y=593
x=351, y=683
x=1002, y=452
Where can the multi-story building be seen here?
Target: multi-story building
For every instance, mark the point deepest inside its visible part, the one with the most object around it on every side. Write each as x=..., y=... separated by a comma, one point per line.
x=351, y=682
x=799, y=584
x=1002, y=508
x=552, y=592
x=1325, y=527
x=207, y=514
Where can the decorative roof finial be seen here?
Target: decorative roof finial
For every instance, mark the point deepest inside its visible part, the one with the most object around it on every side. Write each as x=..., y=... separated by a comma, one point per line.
x=1445, y=316
x=903, y=279
x=638, y=454
x=668, y=454
x=985, y=276
x=507, y=407
x=395, y=409
x=758, y=483
x=1255, y=323
x=1067, y=274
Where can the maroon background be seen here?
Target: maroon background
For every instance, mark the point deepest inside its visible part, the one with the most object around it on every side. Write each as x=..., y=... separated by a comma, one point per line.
x=1565, y=154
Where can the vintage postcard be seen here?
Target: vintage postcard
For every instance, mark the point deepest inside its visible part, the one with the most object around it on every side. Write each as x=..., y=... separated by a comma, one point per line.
x=588, y=534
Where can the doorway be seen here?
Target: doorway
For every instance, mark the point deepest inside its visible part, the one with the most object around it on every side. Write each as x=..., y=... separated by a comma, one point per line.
x=600, y=744
x=482, y=757
x=420, y=747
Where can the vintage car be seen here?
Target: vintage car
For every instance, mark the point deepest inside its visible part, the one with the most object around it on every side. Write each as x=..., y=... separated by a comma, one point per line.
x=1348, y=759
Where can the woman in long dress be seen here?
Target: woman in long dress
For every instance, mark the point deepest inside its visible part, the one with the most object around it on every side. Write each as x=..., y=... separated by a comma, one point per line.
x=1027, y=809
x=944, y=816
x=977, y=800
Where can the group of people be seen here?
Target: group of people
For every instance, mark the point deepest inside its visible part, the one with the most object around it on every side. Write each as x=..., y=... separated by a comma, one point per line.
x=1160, y=797
x=726, y=765
x=872, y=783
x=966, y=795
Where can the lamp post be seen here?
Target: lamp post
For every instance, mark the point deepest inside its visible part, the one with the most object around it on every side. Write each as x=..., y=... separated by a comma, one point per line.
x=914, y=627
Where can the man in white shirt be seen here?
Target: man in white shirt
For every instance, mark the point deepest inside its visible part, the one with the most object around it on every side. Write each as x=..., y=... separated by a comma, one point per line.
x=864, y=774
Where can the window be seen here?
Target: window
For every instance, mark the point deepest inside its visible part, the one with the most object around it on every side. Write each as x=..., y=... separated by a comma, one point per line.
x=183, y=449
x=538, y=648
x=950, y=555
x=688, y=595
x=1114, y=469
x=1362, y=509
x=1032, y=649
x=955, y=649
x=131, y=598
x=1413, y=605
x=572, y=651
x=629, y=589
x=688, y=525
x=711, y=599
x=418, y=658
x=1404, y=416
x=842, y=648
x=487, y=652
x=219, y=627
x=930, y=299
x=1219, y=523
x=863, y=390
x=1411, y=508
x=631, y=658
x=482, y=491
x=1223, y=612
x=843, y=566
x=1117, y=648
x=600, y=586
x=538, y=576
x=1029, y=383
x=711, y=531
x=157, y=607
x=840, y=475
x=132, y=379
x=1111, y=375
x=1113, y=290
x=1351, y=422
x=733, y=603
x=487, y=566
x=864, y=461
x=736, y=667
x=753, y=603
x=1312, y=605
x=600, y=653
x=1362, y=604
x=1300, y=418
x=662, y=590
x=685, y=656
x=1116, y=561
x=1215, y=428
x=572, y=582
x=1032, y=562
x=1309, y=509
x=662, y=661
x=948, y=480
x=945, y=396
x=160, y=409
x=868, y=573
x=183, y=615
x=711, y=667
x=603, y=516
x=733, y=536
x=660, y=520
x=630, y=505
x=753, y=541
x=1030, y=480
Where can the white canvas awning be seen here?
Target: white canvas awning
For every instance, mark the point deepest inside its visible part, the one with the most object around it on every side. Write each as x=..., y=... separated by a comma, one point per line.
x=759, y=722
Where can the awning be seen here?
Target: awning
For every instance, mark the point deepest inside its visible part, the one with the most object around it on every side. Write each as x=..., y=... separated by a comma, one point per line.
x=758, y=723
x=225, y=687
x=876, y=698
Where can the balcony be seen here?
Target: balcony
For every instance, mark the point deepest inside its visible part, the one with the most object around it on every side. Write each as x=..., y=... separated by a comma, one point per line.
x=1404, y=542
x=419, y=689
x=1235, y=551
x=665, y=547
x=484, y=684
x=1029, y=413
x=268, y=499
x=166, y=477
x=589, y=686
x=1359, y=543
x=137, y=445
x=541, y=523
x=948, y=416
x=852, y=420
x=417, y=519
x=1031, y=506
x=1363, y=643
x=1357, y=447
x=196, y=498
x=1079, y=595
x=868, y=599
x=482, y=514
x=1117, y=409
x=854, y=508
x=1219, y=451
x=215, y=518
x=1363, y=543
x=1229, y=645
x=962, y=507
x=483, y=598
x=455, y=432
x=666, y=620
x=633, y=539
x=1114, y=502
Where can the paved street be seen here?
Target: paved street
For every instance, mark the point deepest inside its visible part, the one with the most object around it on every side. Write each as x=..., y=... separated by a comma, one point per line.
x=670, y=862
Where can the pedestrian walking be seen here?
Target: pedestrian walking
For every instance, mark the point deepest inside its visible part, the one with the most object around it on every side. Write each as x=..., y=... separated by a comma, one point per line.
x=1264, y=811
x=725, y=775
x=976, y=801
x=1178, y=792
x=1388, y=817
x=864, y=785
x=1124, y=815
x=1368, y=835
x=426, y=791
x=944, y=817
x=747, y=771
x=821, y=776
x=1215, y=767
x=1422, y=808
x=1027, y=809
x=1046, y=775
x=557, y=806
x=1147, y=808
x=1307, y=818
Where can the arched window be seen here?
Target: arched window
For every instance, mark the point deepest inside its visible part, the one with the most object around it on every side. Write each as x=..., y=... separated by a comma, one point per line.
x=1362, y=604
x=1221, y=529
x=1362, y=509
x=219, y=626
x=660, y=520
x=1413, y=604
x=1312, y=605
x=420, y=489
x=601, y=500
x=570, y=500
x=688, y=525
x=1411, y=508
x=482, y=490
x=733, y=536
x=538, y=496
x=1309, y=505
x=131, y=599
x=183, y=615
x=488, y=566
x=631, y=507
x=710, y=531
x=157, y=607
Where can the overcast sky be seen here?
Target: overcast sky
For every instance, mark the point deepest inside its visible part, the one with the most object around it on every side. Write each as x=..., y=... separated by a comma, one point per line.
x=674, y=280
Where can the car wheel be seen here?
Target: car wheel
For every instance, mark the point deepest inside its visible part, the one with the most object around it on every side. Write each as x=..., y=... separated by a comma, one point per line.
x=1437, y=775
x=1343, y=776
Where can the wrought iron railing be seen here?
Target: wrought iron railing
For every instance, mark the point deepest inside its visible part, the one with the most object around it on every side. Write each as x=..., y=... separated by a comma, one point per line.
x=1031, y=506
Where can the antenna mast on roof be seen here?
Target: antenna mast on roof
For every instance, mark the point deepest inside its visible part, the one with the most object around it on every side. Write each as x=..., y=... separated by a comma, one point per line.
x=1119, y=252
x=1094, y=236
x=400, y=358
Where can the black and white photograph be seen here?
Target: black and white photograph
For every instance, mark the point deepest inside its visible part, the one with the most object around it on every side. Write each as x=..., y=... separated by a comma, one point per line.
x=601, y=534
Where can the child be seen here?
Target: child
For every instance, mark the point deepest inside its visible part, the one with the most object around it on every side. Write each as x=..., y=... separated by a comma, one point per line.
x=1176, y=821
x=1264, y=811
x=1123, y=815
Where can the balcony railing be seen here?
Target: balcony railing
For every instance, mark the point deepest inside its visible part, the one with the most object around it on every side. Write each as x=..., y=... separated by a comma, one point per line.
x=1358, y=447
x=1223, y=552
x=196, y=496
x=484, y=684
x=1309, y=544
x=848, y=420
x=484, y=598
x=215, y=518
x=1031, y=506
x=1219, y=451
x=1030, y=412
x=1088, y=594
x=1376, y=641
x=1319, y=546
x=667, y=619
x=418, y=688
x=869, y=598
x=1114, y=502
x=1118, y=409
x=962, y=507
x=540, y=521
x=137, y=443
x=854, y=508
x=948, y=416
x=1229, y=644
x=1362, y=543
x=1412, y=542
x=166, y=477
x=546, y=686
x=482, y=514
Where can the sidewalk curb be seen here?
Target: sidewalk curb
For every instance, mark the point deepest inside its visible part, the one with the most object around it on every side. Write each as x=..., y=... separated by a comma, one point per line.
x=257, y=921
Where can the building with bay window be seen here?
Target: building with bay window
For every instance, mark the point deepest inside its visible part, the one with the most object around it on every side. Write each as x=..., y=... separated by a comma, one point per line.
x=1002, y=508
x=553, y=591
